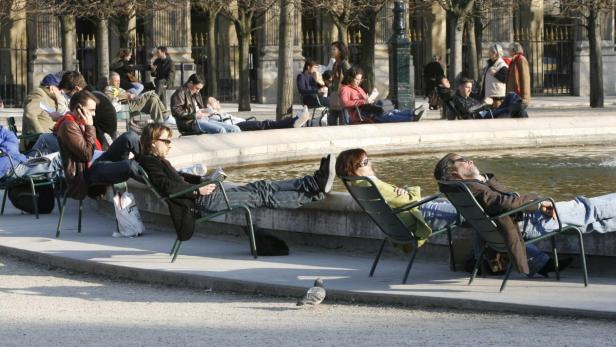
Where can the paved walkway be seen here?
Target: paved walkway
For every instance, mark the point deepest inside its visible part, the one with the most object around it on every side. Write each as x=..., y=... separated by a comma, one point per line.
x=224, y=264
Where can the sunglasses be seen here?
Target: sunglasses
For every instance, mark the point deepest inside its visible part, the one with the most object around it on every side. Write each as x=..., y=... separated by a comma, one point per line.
x=461, y=159
x=166, y=141
x=365, y=162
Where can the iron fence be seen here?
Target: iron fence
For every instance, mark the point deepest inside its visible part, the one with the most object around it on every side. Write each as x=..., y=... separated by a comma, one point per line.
x=86, y=55
x=550, y=58
x=13, y=73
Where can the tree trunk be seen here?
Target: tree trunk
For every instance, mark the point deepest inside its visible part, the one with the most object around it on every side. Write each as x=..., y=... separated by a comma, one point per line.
x=478, y=46
x=343, y=32
x=242, y=28
x=102, y=51
x=367, y=47
x=212, y=79
x=596, y=60
x=69, y=42
x=455, y=62
x=285, y=60
x=473, y=71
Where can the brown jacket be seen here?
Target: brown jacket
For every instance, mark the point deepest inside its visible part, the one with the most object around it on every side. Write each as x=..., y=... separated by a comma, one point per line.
x=183, y=107
x=77, y=142
x=518, y=78
x=496, y=199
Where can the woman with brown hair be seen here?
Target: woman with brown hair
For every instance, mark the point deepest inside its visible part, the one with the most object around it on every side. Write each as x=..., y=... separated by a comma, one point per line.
x=122, y=65
x=340, y=53
x=435, y=214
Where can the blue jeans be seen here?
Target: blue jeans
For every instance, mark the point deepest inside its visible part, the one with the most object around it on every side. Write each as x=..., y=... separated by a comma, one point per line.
x=337, y=117
x=113, y=166
x=589, y=214
x=511, y=106
x=440, y=213
x=271, y=194
x=396, y=116
x=46, y=143
x=136, y=89
x=209, y=126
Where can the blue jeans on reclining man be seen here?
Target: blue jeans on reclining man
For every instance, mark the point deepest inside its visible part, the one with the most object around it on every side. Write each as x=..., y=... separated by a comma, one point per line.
x=512, y=106
x=208, y=126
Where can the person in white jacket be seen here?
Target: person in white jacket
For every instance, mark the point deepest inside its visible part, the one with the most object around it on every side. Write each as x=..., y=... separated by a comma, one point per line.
x=494, y=76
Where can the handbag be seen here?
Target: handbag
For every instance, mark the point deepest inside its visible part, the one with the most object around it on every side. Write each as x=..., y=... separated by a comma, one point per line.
x=334, y=101
x=132, y=77
x=127, y=214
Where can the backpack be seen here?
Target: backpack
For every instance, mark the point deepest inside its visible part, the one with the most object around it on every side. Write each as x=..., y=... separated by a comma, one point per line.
x=21, y=197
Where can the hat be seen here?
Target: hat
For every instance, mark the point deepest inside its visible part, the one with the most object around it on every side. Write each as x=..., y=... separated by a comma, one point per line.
x=50, y=80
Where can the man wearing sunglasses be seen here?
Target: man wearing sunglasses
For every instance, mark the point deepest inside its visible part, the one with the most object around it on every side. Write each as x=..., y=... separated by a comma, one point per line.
x=589, y=214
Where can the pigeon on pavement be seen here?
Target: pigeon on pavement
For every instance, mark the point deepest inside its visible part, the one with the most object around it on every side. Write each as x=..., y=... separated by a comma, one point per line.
x=314, y=295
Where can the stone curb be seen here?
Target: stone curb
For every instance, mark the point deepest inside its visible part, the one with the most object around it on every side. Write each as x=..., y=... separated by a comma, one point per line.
x=251, y=287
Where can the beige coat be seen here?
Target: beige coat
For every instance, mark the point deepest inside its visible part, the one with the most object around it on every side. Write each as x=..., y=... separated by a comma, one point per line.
x=35, y=120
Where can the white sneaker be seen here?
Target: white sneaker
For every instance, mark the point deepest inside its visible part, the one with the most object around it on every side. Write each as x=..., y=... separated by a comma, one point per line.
x=302, y=118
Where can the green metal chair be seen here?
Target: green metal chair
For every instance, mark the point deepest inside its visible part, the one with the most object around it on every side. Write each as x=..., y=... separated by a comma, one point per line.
x=12, y=125
x=365, y=193
x=51, y=179
x=175, y=249
x=116, y=187
x=461, y=197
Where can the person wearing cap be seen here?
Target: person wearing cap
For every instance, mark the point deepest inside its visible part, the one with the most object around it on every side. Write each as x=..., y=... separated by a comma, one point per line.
x=42, y=108
x=494, y=76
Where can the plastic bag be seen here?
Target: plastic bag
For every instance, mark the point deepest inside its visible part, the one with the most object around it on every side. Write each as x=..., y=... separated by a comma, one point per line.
x=127, y=214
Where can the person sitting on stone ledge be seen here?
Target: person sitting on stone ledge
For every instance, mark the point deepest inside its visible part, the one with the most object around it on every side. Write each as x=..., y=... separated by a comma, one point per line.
x=589, y=214
x=147, y=102
x=43, y=106
x=87, y=168
x=156, y=142
x=216, y=112
x=434, y=214
x=463, y=104
x=192, y=115
x=355, y=101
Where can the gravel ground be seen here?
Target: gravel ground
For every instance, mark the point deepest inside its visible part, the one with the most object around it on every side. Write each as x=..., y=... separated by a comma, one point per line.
x=55, y=307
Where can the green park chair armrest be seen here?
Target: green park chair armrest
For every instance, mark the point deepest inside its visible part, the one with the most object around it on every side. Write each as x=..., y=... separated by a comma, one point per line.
x=193, y=188
x=528, y=204
x=416, y=203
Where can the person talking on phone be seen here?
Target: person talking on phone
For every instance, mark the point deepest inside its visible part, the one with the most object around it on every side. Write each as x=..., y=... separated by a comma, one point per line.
x=87, y=168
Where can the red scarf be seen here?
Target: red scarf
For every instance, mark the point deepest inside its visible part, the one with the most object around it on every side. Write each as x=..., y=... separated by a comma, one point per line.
x=515, y=73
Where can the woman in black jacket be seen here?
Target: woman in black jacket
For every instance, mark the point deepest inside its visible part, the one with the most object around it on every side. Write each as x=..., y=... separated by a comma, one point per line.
x=156, y=143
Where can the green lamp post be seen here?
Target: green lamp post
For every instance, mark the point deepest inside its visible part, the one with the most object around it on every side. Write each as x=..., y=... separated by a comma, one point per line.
x=401, y=74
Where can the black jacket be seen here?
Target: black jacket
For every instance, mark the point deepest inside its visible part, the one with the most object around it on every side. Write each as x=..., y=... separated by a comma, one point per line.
x=461, y=106
x=166, y=180
x=183, y=107
x=164, y=69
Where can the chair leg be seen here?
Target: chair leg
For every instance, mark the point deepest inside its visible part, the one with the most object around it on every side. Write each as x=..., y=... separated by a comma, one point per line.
x=408, y=268
x=4, y=200
x=506, y=277
x=62, y=208
x=477, y=264
x=173, y=247
x=555, y=253
x=177, y=250
x=251, y=232
x=79, y=221
x=378, y=256
x=583, y=256
x=451, y=254
x=34, y=198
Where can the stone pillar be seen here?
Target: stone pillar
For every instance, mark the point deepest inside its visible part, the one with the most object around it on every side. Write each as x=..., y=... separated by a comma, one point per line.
x=46, y=47
x=267, y=71
x=581, y=63
x=171, y=28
